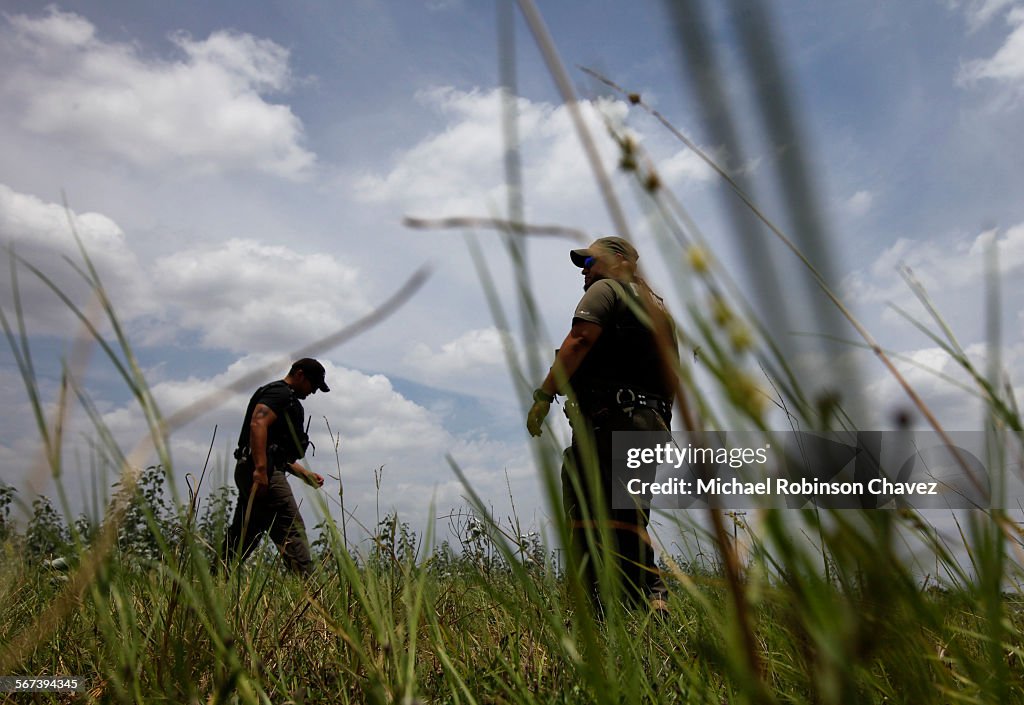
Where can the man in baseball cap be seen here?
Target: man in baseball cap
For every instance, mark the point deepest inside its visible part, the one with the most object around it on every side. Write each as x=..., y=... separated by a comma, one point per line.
x=605, y=245
x=314, y=372
x=615, y=365
x=272, y=440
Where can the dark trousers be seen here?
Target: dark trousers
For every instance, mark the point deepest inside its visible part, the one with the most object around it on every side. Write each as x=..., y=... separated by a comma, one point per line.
x=630, y=545
x=275, y=513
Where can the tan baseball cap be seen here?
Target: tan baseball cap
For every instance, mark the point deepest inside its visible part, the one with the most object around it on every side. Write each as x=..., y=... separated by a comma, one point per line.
x=616, y=245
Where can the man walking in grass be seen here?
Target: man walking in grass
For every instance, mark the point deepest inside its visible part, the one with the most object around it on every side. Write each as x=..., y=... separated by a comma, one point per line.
x=618, y=362
x=272, y=440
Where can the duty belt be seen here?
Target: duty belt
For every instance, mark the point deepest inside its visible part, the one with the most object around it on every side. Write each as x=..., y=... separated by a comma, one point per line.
x=627, y=400
x=273, y=451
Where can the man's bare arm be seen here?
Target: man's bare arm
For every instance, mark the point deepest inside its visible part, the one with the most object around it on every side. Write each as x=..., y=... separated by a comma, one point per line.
x=259, y=426
x=571, y=354
x=574, y=349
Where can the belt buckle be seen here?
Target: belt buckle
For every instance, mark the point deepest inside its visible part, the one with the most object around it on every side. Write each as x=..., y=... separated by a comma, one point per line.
x=626, y=405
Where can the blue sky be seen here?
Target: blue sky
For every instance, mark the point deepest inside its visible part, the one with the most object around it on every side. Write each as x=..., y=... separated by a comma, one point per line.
x=240, y=171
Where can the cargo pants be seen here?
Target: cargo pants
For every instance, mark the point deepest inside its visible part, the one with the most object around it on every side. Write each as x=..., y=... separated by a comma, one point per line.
x=630, y=549
x=275, y=512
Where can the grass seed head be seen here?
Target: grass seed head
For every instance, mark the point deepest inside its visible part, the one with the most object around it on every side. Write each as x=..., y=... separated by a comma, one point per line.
x=721, y=312
x=627, y=162
x=698, y=258
x=745, y=393
x=740, y=336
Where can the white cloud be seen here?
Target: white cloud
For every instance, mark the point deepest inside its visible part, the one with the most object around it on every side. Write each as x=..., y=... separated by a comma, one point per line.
x=41, y=233
x=874, y=397
x=60, y=28
x=683, y=166
x=957, y=281
x=239, y=295
x=980, y=12
x=252, y=63
x=925, y=369
x=205, y=111
x=1006, y=66
x=938, y=266
x=27, y=220
x=475, y=355
x=860, y=203
x=458, y=170
x=455, y=171
x=242, y=295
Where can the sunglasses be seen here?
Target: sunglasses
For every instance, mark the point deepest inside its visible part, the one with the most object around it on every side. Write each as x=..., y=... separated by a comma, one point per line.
x=589, y=262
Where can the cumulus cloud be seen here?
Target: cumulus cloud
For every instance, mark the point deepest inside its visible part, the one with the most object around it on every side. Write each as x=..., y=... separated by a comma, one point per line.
x=26, y=220
x=687, y=166
x=473, y=357
x=205, y=111
x=939, y=266
x=453, y=171
x=459, y=170
x=238, y=295
x=957, y=281
x=243, y=295
x=1006, y=66
x=43, y=234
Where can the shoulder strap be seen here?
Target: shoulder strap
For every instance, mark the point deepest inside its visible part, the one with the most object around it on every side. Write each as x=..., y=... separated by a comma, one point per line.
x=243, y=435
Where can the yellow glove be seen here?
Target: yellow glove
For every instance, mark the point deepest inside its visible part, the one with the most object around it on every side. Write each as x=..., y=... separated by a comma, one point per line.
x=538, y=412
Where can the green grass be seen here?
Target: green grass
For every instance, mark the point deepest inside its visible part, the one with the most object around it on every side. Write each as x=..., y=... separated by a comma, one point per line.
x=383, y=632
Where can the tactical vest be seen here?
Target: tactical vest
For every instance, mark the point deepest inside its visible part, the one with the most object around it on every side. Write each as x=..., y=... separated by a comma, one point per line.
x=287, y=440
x=625, y=356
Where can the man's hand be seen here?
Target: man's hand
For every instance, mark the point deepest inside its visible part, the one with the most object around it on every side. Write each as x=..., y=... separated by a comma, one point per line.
x=260, y=482
x=538, y=412
x=308, y=476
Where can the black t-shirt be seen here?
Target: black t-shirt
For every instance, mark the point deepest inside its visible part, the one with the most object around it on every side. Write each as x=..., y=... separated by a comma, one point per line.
x=281, y=399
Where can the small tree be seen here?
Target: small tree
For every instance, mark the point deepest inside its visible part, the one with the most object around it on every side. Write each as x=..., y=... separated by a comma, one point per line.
x=47, y=533
x=149, y=516
x=212, y=524
x=7, y=494
x=394, y=542
x=85, y=529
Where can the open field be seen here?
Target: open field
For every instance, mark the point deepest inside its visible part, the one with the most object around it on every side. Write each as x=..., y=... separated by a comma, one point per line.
x=818, y=607
x=490, y=624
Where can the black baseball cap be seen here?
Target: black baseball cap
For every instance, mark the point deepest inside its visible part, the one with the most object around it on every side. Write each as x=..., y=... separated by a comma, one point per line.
x=314, y=372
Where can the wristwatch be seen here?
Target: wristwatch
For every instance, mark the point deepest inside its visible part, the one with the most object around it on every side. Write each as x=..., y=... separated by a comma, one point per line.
x=542, y=396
